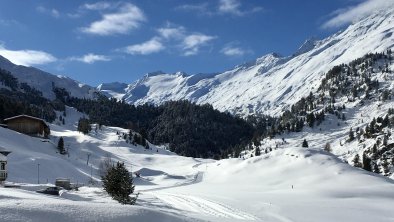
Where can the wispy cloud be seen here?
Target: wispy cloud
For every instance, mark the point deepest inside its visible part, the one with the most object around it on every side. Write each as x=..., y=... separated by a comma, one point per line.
x=127, y=18
x=152, y=46
x=12, y=23
x=191, y=44
x=52, y=12
x=172, y=32
x=351, y=14
x=27, y=57
x=90, y=58
x=97, y=6
x=171, y=37
x=223, y=7
x=199, y=8
x=234, y=51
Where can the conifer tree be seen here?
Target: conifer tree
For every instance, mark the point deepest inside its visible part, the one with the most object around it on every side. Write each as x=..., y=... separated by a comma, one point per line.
x=386, y=169
x=257, y=152
x=376, y=168
x=60, y=146
x=366, y=162
x=356, y=161
x=351, y=135
x=305, y=143
x=118, y=183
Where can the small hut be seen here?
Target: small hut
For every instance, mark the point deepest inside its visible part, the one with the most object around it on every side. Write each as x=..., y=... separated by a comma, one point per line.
x=28, y=125
x=3, y=164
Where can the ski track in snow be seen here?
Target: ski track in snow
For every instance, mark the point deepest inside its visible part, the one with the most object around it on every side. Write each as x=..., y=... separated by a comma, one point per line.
x=202, y=206
x=198, y=204
x=197, y=179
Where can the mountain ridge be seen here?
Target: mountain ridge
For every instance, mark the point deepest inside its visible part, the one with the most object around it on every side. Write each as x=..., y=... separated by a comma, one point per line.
x=271, y=83
x=44, y=81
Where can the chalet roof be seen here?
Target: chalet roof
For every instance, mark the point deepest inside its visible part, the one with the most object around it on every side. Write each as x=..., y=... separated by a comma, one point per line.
x=26, y=116
x=3, y=154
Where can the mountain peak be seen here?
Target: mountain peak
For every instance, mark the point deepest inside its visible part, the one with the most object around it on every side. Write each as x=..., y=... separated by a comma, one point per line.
x=307, y=46
x=155, y=73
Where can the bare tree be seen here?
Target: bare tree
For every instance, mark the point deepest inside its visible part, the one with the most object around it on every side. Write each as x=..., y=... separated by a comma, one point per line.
x=105, y=165
x=327, y=147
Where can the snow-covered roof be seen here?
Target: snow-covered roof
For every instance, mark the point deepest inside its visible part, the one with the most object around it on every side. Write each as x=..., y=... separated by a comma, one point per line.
x=25, y=116
x=4, y=152
x=2, y=157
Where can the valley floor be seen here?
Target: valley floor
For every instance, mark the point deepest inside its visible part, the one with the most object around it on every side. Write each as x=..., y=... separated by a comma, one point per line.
x=288, y=184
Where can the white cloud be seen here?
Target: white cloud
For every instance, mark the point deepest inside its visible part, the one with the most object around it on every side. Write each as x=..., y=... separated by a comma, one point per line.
x=27, y=57
x=355, y=13
x=234, y=51
x=171, y=37
x=170, y=32
x=200, y=8
x=234, y=7
x=192, y=43
x=152, y=46
x=97, y=6
x=52, y=12
x=91, y=58
x=230, y=6
x=127, y=18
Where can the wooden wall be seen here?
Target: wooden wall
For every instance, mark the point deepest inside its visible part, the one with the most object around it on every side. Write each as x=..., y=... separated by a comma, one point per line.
x=26, y=126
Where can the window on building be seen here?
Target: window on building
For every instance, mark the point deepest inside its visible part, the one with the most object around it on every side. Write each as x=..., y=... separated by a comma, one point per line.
x=2, y=167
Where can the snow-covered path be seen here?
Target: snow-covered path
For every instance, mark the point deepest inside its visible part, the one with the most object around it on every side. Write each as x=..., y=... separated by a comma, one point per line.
x=202, y=206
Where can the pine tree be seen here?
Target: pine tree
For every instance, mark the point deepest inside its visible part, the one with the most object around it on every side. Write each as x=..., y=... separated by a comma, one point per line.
x=257, y=152
x=386, y=169
x=356, y=161
x=118, y=183
x=376, y=168
x=366, y=162
x=305, y=143
x=60, y=146
x=375, y=152
x=351, y=135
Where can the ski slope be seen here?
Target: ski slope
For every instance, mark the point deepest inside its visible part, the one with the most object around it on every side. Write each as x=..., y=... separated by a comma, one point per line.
x=288, y=184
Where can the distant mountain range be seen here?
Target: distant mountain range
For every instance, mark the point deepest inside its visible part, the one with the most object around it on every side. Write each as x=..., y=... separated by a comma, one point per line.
x=267, y=85
x=272, y=82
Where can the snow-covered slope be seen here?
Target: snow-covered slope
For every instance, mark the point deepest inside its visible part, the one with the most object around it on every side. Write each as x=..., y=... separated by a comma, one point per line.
x=114, y=89
x=287, y=184
x=42, y=81
x=272, y=82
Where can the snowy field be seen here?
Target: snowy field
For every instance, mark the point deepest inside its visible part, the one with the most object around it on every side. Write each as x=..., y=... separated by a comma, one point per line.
x=288, y=184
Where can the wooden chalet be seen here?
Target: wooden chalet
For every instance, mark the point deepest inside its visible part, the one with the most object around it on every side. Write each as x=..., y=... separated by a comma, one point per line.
x=28, y=125
x=3, y=164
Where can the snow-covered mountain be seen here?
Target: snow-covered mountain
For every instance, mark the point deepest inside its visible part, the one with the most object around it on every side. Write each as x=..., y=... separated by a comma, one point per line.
x=43, y=81
x=272, y=82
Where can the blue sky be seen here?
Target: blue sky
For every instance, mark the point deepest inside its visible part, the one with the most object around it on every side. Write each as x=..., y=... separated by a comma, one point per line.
x=106, y=41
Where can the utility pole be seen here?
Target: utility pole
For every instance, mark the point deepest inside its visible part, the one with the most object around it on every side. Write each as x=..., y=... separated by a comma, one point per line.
x=87, y=161
x=38, y=173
